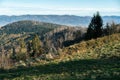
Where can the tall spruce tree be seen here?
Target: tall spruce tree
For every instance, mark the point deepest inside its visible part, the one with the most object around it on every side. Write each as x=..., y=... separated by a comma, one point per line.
x=95, y=27
x=22, y=54
x=22, y=45
x=36, y=46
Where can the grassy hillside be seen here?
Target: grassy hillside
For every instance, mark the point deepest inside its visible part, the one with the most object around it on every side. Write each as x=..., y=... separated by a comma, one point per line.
x=71, y=70
x=97, y=59
x=96, y=48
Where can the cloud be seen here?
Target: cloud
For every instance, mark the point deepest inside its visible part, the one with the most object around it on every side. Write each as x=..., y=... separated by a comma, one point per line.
x=10, y=8
x=20, y=10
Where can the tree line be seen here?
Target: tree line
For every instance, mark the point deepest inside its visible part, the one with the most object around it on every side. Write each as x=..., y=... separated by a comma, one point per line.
x=96, y=29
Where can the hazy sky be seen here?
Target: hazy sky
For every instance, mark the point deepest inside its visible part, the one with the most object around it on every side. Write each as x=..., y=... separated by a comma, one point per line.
x=60, y=7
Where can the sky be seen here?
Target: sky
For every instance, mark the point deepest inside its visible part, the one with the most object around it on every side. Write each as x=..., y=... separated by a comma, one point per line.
x=60, y=7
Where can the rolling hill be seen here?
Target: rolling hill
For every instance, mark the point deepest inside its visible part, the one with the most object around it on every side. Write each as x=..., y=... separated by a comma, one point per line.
x=95, y=63
x=11, y=33
x=51, y=35
x=28, y=26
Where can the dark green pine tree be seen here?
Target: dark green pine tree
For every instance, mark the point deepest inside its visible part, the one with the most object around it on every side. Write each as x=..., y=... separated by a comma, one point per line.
x=13, y=56
x=36, y=46
x=29, y=49
x=95, y=27
x=22, y=44
x=107, y=29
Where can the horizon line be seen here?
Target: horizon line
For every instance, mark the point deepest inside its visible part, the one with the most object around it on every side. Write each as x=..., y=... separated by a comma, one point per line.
x=52, y=15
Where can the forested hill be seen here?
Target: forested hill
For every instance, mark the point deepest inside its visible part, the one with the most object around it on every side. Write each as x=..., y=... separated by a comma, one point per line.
x=28, y=26
x=11, y=33
x=53, y=36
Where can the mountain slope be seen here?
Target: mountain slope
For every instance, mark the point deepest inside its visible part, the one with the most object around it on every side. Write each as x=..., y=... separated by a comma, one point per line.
x=99, y=61
x=104, y=47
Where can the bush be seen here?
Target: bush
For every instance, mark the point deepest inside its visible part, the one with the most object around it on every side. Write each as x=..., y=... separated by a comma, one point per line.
x=21, y=56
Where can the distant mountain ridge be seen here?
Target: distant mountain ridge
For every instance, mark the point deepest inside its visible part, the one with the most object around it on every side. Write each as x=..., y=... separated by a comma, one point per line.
x=57, y=19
